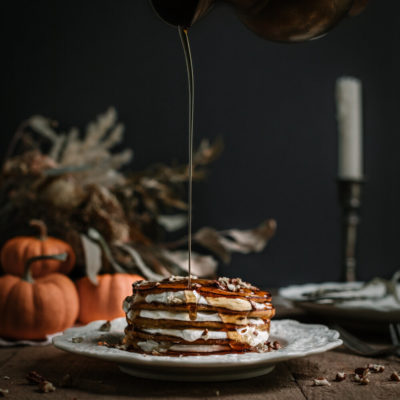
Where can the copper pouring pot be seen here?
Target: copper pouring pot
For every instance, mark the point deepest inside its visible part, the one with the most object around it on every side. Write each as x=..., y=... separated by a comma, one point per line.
x=276, y=20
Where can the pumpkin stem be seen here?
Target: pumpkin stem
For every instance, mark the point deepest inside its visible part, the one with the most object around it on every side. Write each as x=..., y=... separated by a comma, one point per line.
x=42, y=227
x=28, y=276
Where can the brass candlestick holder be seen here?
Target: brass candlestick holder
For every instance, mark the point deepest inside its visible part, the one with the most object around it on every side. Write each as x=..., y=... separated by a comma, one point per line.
x=350, y=192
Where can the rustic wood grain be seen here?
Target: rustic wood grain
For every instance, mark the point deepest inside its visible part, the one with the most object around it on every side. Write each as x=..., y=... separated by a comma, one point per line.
x=96, y=379
x=328, y=364
x=6, y=354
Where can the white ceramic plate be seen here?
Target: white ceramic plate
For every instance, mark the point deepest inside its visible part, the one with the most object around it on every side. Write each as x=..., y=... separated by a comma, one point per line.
x=374, y=308
x=297, y=340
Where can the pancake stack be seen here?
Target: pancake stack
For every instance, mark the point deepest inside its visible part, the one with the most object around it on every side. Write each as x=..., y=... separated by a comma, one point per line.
x=209, y=317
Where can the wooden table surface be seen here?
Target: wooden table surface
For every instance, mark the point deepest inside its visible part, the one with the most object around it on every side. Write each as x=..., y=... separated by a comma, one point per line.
x=96, y=379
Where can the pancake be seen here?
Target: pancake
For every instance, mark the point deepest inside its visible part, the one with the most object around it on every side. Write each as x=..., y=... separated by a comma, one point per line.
x=210, y=317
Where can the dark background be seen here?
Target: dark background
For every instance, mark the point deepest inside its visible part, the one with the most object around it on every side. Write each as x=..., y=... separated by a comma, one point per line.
x=273, y=104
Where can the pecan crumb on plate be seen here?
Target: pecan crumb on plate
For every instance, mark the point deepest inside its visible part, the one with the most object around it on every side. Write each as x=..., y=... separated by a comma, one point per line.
x=275, y=345
x=105, y=327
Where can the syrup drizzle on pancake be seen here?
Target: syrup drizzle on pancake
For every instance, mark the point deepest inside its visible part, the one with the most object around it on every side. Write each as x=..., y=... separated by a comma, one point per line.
x=212, y=317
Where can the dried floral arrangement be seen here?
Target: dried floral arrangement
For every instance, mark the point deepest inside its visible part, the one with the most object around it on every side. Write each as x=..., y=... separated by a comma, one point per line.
x=115, y=221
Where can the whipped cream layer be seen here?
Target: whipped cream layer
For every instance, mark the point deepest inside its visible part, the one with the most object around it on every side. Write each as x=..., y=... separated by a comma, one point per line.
x=178, y=297
x=192, y=348
x=193, y=297
x=200, y=316
x=190, y=335
x=179, y=316
x=249, y=335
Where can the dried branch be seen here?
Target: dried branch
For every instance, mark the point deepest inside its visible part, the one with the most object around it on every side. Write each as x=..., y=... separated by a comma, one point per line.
x=115, y=221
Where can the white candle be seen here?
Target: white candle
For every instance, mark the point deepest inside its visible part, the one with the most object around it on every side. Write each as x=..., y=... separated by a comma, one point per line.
x=349, y=118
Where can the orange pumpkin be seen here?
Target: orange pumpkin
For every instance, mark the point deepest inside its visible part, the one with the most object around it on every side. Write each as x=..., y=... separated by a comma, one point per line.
x=18, y=250
x=104, y=301
x=33, y=309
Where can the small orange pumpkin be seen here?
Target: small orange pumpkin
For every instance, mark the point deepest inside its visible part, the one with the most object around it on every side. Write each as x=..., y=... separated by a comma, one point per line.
x=33, y=309
x=18, y=250
x=104, y=301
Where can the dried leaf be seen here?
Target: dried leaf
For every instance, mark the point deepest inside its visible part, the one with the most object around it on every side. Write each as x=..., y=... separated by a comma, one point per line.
x=77, y=187
x=225, y=242
x=27, y=164
x=96, y=130
x=152, y=256
x=96, y=236
x=201, y=265
x=172, y=223
x=170, y=201
x=72, y=142
x=207, y=152
x=43, y=126
x=58, y=144
x=90, y=158
x=115, y=136
x=104, y=212
x=144, y=269
x=211, y=240
x=93, y=263
x=249, y=240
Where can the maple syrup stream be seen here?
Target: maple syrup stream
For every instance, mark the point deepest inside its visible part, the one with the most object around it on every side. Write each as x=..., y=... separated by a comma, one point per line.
x=183, y=33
